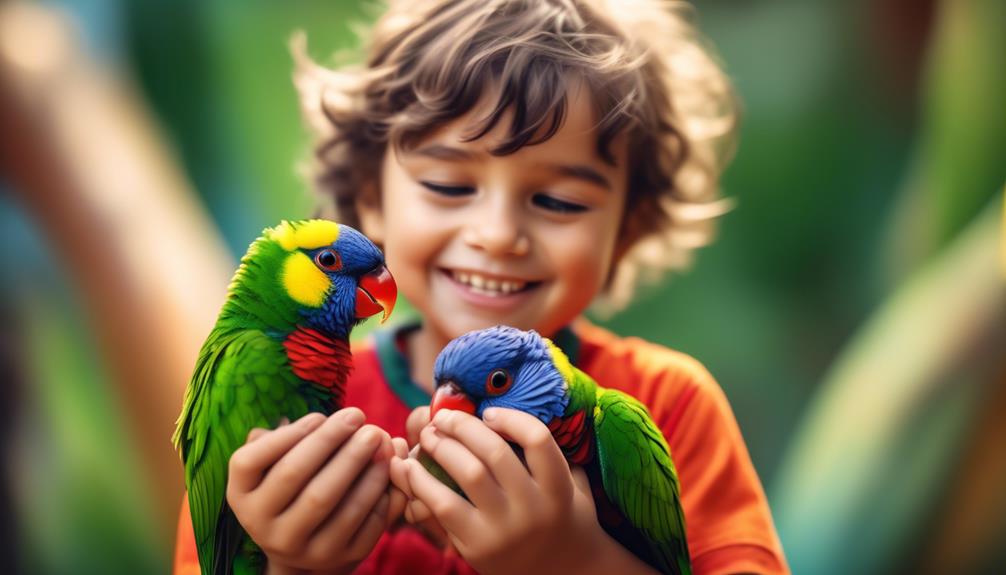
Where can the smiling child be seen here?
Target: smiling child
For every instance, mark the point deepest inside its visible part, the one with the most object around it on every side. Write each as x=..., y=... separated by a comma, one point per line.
x=518, y=161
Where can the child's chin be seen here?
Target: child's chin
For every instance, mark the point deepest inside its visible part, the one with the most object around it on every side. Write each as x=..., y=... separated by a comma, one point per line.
x=475, y=323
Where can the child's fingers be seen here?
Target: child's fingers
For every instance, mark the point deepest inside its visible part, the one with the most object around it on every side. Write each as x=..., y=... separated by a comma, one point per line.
x=544, y=459
x=400, y=446
x=363, y=541
x=396, y=505
x=386, y=450
x=455, y=514
x=334, y=482
x=353, y=510
x=256, y=433
x=487, y=445
x=419, y=515
x=416, y=421
x=417, y=512
x=398, y=472
x=470, y=472
x=248, y=464
x=289, y=475
x=581, y=482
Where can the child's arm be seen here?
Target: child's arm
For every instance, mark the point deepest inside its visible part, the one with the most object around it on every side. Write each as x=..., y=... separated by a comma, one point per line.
x=314, y=494
x=534, y=519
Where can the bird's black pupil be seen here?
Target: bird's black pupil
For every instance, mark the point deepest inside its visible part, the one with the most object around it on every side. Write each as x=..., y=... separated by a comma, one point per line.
x=498, y=379
x=327, y=259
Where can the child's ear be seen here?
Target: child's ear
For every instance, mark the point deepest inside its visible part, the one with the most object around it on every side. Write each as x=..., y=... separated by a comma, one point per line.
x=369, y=209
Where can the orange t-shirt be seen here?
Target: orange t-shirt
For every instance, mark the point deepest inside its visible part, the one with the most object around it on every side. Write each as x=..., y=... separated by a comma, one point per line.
x=727, y=518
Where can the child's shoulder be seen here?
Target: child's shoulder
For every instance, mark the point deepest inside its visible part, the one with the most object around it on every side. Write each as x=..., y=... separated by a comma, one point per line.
x=728, y=519
x=631, y=361
x=682, y=396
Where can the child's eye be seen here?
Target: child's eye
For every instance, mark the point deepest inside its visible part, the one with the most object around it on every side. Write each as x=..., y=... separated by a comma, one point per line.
x=452, y=191
x=556, y=205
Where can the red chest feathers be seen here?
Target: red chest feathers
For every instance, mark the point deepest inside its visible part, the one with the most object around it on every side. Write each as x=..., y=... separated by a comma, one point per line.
x=571, y=433
x=319, y=358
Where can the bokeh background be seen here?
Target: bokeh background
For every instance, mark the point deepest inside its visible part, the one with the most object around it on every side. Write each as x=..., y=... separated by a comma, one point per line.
x=852, y=306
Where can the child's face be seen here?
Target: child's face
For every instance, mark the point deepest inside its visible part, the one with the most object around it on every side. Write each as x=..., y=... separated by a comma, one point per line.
x=525, y=239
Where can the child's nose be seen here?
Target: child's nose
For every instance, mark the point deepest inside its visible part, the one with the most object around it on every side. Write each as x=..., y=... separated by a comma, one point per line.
x=498, y=231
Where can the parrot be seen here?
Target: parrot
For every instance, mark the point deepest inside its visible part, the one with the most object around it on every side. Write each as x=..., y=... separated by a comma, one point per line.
x=627, y=460
x=279, y=349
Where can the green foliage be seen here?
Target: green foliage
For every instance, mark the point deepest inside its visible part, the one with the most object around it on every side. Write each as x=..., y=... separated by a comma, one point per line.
x=82, y=506
x=957, y=165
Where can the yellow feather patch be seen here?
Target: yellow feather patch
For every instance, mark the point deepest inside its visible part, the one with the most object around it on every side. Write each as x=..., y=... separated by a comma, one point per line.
x=560, y=360
x=304, y=282
x=305, y=234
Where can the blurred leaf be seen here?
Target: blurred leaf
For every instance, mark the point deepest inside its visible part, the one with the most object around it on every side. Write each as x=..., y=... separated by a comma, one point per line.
x=82, y=500
x=882, y=436
x=958, y=164
x=964, y=533
x=868, y=466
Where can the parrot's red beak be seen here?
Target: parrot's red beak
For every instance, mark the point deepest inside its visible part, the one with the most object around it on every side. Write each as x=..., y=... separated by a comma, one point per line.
x=376, y=292
x=449, y=396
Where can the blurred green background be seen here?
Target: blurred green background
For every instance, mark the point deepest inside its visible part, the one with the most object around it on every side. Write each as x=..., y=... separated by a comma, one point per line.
x=852, y=306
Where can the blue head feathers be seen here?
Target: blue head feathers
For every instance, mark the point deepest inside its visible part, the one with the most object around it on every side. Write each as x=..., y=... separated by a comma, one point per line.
x=504, y=367
x=357, y=289
x=359, y=254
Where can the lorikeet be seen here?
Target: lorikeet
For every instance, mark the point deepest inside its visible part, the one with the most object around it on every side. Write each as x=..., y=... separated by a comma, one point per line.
x=279, y=349
x=609, y=433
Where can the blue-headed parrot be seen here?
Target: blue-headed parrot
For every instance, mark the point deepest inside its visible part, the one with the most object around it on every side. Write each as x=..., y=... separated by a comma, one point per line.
x=609, y=433
x=279, y=349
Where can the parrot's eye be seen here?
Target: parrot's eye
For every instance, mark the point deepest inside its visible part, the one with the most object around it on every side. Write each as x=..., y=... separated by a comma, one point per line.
x=328, y=259
x=498, y=382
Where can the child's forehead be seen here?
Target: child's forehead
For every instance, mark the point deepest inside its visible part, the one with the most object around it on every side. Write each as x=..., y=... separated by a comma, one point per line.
x=577, y=133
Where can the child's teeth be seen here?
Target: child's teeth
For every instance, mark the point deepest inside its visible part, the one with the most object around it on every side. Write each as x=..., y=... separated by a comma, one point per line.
x=488, y=286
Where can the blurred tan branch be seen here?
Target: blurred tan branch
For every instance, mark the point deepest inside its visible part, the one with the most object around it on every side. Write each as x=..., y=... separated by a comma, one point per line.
x=91, y=167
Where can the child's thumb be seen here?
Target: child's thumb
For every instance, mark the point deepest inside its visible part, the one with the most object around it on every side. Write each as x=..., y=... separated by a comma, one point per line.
x=415, y=423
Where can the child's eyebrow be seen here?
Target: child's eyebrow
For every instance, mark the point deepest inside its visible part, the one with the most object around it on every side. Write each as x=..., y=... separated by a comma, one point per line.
x=442, y=152
x=585, y=173
x=577, y=171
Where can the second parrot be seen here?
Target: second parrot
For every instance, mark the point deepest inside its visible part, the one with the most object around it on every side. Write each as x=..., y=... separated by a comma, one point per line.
x=609, y=433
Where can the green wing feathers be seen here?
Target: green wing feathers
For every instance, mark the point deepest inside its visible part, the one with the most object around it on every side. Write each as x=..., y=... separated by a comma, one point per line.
x=639, y=476
x=242, y=380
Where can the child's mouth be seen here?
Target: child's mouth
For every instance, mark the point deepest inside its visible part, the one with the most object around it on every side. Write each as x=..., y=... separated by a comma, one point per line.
x=487, y=285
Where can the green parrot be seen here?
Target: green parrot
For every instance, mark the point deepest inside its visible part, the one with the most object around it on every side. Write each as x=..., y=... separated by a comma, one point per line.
x=609, y=433
x=279, y=349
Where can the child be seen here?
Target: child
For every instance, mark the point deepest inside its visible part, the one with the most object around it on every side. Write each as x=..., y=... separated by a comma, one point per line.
x=517, y=161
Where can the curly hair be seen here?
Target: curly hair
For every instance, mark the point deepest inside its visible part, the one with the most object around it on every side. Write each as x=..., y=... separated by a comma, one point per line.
x=650, y=73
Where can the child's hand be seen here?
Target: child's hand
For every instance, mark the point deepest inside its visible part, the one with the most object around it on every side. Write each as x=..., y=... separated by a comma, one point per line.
x=415, y=512
x=314, y=494
x=538, y=518
x=417, y=420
